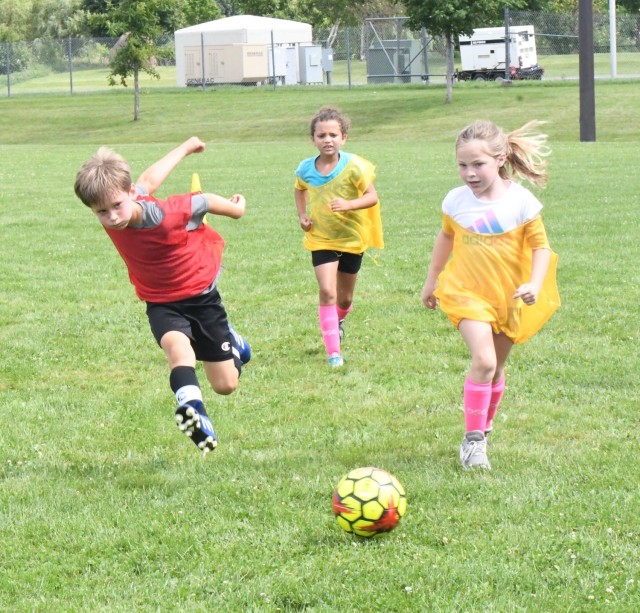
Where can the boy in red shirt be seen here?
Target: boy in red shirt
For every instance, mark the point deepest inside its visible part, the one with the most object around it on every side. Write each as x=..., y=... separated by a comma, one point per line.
x=174, y=260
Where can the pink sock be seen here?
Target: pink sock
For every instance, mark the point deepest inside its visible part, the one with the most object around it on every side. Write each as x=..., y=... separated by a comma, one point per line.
x=476, y=404
x=497, y=389
x=329, y=325
x=342, y=313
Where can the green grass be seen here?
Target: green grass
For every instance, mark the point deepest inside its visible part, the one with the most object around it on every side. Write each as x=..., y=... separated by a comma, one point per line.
x=105, y=506
x=234, y=114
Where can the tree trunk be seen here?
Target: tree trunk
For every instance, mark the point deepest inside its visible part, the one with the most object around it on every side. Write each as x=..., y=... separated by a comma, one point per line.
x=136, y=94
x=450, y=69
x=333, y=34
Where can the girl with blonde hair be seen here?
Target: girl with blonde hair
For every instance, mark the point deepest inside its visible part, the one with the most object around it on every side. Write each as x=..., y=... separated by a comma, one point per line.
x=499, y=285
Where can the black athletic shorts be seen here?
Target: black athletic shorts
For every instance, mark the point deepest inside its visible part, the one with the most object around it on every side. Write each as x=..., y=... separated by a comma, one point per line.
x=347, y=262
x=202, y=318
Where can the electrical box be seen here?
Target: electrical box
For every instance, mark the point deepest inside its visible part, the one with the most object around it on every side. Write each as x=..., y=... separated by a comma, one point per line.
x=395, y=61
x=310, y=64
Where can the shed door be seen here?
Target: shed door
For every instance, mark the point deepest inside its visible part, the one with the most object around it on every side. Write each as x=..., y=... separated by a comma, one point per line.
x=215, y=64
x=192, y=68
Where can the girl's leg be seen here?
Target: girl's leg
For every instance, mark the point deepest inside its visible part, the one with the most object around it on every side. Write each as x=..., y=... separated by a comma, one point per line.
x=479, y=338
x=477, y=392
x=502, y=346
x=477, y=386
x=326, y=275
x=345, y=287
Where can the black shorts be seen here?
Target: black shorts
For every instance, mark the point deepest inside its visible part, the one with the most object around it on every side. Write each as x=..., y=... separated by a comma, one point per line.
x=202, y=318
x=347, y=262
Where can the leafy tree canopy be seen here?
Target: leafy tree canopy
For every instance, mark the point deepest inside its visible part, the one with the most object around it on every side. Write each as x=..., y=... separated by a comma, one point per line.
x=34, y=19
x=455, y=17
x=172, y=15
x=320, y=12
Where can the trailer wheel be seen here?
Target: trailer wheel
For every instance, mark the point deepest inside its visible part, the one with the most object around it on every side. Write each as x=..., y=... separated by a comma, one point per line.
x=479, y=77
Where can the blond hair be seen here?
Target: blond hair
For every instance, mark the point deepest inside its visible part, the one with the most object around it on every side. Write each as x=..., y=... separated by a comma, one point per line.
x=524, y=149
x=328, y=113
x=103, y=174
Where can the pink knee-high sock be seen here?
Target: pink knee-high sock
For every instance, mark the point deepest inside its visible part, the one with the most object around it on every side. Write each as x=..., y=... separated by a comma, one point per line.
x=476, y=404
x=328, y=316
x=342, y=313
x=497, y=389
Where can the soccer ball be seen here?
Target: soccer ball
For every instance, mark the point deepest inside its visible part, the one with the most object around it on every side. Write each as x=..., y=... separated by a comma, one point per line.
x=369, y=501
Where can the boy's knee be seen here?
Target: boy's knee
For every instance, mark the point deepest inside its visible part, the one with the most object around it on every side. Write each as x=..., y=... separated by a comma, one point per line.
x=223, y=376
x=226, y=386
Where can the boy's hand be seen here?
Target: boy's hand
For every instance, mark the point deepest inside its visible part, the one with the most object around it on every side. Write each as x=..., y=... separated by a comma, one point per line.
x=239, y=201
x=195, y=145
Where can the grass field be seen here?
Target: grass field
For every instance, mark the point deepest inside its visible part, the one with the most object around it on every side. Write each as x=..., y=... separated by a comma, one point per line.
x=105, y=506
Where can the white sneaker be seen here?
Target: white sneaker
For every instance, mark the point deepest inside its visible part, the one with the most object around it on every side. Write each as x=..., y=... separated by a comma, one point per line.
x=473, y=451
x=335, y=360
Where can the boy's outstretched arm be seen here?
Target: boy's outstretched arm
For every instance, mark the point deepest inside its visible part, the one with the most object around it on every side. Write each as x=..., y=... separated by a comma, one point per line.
x=228, y=207
x=153, y=177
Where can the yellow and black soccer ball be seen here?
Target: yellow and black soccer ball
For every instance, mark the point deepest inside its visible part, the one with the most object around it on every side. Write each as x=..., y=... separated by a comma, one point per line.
x=369, y=501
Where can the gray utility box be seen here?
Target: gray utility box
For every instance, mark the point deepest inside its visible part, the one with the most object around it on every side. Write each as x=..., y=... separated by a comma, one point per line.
x=327, y=59
x=310, y=63
x=395, y=61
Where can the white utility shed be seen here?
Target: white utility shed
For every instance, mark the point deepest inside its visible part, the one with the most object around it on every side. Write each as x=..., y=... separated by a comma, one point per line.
x=235, y=49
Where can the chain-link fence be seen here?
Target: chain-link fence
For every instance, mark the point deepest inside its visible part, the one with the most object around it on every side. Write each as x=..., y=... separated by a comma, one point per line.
x=380, y=51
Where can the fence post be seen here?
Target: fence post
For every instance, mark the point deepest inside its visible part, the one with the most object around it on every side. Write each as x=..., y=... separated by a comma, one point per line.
x=202, y=58
x=8, y=54
x=70, y=67
x=613, y=43
x=585, y=67
x=273, y=60
x=348, y=47
x=507, y=45
x=425, y=55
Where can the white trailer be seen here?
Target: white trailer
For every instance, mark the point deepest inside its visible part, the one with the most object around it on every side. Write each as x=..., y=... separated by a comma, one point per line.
x=483, y=54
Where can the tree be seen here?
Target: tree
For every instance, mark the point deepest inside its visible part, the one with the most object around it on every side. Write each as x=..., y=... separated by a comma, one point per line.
x=138, y=23
x=199, y=11
x=27, y=20
x=174, y=14
x=319, y=13
x=452, y=18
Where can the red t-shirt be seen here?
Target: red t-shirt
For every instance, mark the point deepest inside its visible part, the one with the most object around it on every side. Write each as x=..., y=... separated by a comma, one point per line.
x=168, y=262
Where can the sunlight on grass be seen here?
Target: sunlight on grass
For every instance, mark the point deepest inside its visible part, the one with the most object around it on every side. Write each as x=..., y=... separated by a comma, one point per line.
x=106, y=506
